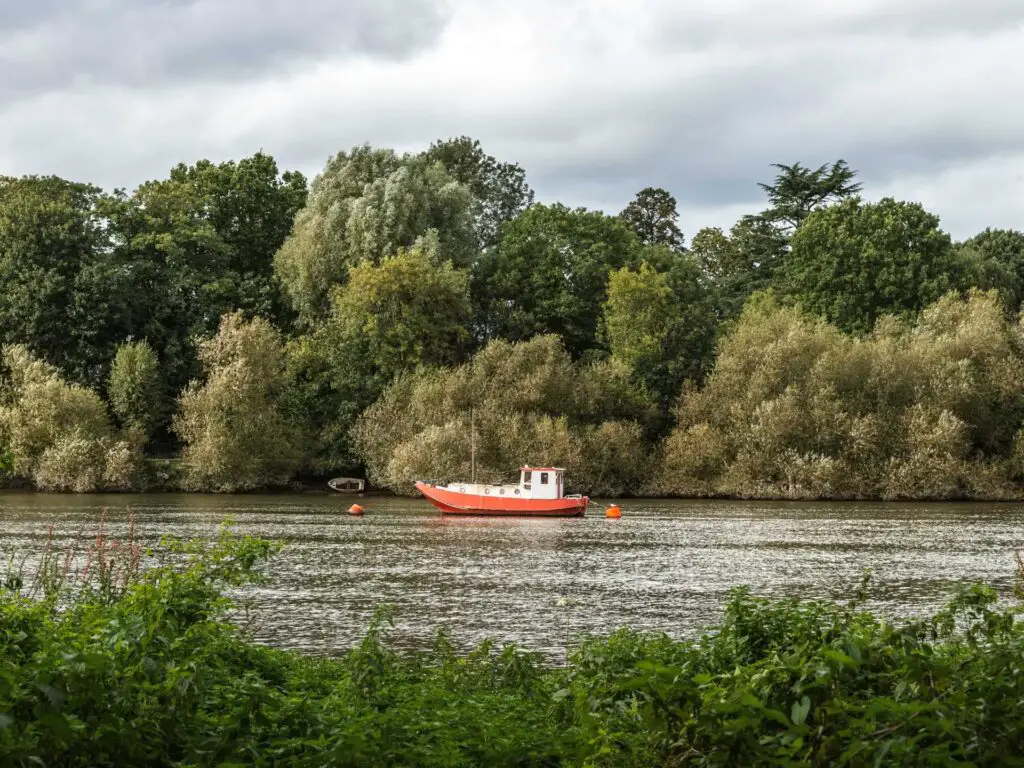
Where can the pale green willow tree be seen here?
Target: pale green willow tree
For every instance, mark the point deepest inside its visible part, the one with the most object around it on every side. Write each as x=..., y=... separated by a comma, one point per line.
x=235, y=433
x=366, y=205
x=795, y=408
x=59, y=434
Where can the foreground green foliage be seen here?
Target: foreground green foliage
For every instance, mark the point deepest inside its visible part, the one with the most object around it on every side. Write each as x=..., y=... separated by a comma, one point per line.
x=130, y=666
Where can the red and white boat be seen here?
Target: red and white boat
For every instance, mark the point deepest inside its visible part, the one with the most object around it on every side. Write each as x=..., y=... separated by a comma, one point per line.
x=539, y=492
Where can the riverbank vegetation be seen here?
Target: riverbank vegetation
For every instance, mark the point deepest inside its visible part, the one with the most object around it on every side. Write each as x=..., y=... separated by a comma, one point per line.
x=111, y=655
x=232, y=327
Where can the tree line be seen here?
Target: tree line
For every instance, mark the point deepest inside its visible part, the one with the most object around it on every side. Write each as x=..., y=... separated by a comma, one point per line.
x=262, y=328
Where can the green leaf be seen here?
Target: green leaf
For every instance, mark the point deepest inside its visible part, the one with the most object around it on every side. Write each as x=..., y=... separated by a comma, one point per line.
x=798, y=713
x=838, y=656
x=55, y=696
x=882, y=751
x=58, y=724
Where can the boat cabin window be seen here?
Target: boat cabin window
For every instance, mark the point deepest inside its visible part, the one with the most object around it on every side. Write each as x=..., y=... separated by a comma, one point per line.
x=543, y=478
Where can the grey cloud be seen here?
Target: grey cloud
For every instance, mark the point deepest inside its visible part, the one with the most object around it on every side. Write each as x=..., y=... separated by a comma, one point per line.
x=885, y=85
x=20, y=14
x=711, y=135
x=146, y=43
x=750, y=22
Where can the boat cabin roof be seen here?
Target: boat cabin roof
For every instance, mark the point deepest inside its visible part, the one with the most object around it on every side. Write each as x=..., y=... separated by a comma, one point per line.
x=541, y=469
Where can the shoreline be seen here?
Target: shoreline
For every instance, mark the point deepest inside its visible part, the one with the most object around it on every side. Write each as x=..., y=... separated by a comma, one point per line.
x=313, y=491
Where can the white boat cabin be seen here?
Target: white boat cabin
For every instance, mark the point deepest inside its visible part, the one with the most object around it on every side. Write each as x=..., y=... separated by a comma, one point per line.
x=534, y=483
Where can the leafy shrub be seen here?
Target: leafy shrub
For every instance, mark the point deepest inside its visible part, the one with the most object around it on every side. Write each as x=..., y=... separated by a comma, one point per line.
x=526, y=403
x=796, y=409
x=59, y=434
x=236, y=436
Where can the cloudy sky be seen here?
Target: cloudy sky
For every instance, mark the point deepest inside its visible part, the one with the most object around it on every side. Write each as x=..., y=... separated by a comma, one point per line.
x=595, y=98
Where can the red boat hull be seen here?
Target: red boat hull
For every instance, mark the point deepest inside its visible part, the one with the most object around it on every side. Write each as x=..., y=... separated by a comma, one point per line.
x=454, y=503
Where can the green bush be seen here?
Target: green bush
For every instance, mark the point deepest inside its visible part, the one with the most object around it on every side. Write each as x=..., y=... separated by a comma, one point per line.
x=134, y=387
x=59, y=434
x=527, y=403
x=135, y=663
x=236, y=436
x=928, y=409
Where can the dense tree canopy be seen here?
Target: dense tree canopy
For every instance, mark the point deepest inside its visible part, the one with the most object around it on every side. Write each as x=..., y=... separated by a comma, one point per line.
x=385, y=320
x=365, y=205
x=854, y=262
x=661, y=324
x=653, y=216
x=824, y=345
x=741, y=263
x=193, y=247
x=995, y=259
x=549, y=274
x=499, y=190
x=61, y=295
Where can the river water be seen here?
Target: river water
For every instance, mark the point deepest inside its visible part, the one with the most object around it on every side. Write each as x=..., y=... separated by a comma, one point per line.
x=664, y=565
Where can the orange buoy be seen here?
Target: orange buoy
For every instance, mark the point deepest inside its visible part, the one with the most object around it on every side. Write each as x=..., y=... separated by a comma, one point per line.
x=355, y=509
x=613, y=512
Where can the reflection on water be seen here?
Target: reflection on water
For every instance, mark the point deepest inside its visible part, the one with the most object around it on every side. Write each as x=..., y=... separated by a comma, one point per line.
x=665, y=565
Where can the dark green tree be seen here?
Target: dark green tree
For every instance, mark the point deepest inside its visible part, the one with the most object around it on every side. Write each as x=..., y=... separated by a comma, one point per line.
x=653, y=216
x=61, y=294
x=660, y=320
x=250, y=205
x=740, y=263
x=798, y=191
x=499, y=190
x=549, y=274
x=750, y=256
x=854, y=262
x=196, y=246
x=995, y=259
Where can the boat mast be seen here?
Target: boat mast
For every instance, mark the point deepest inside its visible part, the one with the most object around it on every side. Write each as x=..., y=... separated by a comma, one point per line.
x=472, y=446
